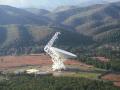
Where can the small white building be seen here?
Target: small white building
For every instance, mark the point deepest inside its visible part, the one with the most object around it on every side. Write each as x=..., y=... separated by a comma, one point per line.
x=32, y=71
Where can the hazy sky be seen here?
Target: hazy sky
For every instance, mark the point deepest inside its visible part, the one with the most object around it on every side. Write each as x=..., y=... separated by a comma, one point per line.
x=43, y=3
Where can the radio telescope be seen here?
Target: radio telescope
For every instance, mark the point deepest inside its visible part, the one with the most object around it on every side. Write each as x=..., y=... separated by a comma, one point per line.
x=58, y=55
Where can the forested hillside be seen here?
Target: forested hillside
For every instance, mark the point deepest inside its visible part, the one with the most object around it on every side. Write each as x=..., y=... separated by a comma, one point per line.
x=28, y=30
x=32, y=38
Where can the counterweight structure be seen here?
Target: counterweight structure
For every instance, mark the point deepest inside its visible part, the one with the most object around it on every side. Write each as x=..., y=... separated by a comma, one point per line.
x=58, y=56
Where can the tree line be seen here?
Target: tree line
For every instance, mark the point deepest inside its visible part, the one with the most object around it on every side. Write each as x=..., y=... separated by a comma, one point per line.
x=26, y=82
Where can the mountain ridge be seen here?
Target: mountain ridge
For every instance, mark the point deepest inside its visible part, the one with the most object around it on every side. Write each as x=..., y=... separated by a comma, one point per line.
x=23, y=30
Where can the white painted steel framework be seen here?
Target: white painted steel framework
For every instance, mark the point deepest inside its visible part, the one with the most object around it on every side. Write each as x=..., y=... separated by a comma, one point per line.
x=57, y=59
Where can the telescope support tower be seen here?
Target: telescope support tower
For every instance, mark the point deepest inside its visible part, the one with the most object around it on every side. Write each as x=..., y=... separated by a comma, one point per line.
x=56, y=59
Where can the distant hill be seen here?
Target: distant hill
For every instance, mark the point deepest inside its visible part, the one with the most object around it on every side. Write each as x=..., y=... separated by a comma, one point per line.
x=12, y=15
x=37, y=11
x=32, y=38
x=64, y=8
x=91, y=21
x=28, y=30
x=92, y=2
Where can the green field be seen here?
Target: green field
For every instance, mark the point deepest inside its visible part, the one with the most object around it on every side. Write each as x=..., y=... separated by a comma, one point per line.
x=87, y=75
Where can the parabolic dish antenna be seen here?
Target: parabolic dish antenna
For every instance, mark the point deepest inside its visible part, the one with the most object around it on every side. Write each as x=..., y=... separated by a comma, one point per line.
x=58, y=55
x=62, y=53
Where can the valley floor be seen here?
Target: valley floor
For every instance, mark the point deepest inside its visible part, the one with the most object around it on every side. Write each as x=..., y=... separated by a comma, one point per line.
x=13, y=64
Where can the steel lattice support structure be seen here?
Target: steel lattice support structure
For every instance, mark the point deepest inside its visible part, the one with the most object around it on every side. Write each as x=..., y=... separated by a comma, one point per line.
x=56, y=59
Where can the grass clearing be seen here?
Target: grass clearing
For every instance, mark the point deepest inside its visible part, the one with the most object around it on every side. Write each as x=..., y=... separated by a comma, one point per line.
x=88, y=75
